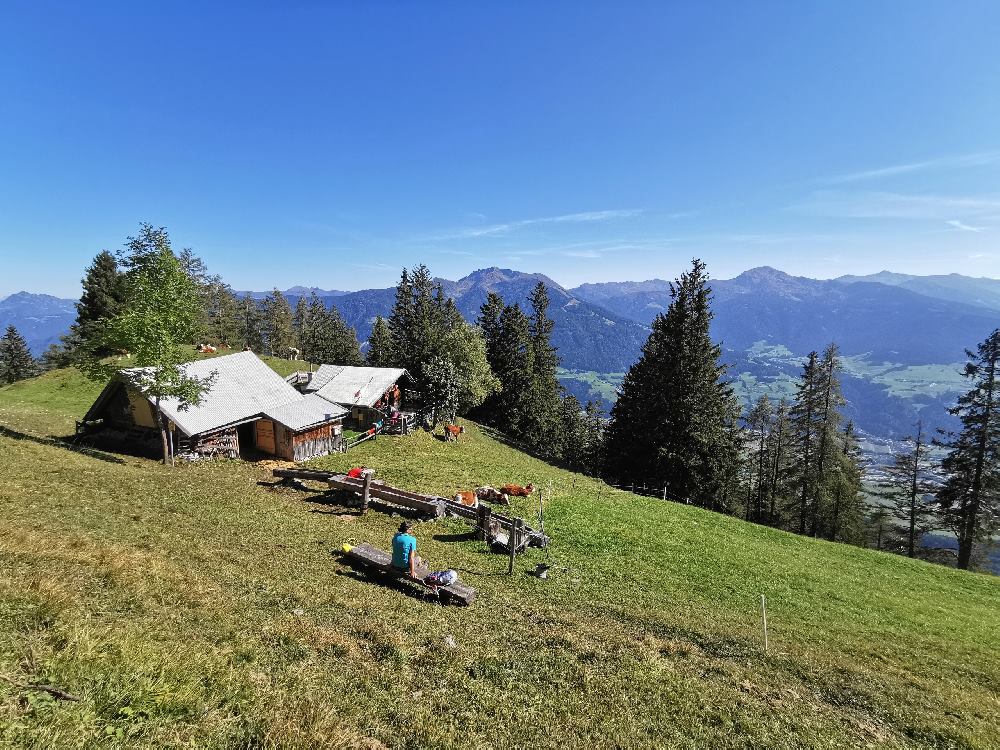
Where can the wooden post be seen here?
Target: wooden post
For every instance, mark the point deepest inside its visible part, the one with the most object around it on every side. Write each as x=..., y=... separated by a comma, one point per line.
x=366, y=489
x=664, y=493
x=514, y=540
x=763, y=614
x=483, y=532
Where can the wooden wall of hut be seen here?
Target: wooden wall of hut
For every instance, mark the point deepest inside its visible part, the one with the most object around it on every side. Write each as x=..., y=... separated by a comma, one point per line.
x=318, y=441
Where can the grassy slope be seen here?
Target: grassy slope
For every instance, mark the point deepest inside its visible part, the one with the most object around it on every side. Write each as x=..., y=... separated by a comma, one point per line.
x=168, y=601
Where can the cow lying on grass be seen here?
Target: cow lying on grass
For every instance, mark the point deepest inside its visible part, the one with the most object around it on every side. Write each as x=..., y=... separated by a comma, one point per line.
x=516, y=490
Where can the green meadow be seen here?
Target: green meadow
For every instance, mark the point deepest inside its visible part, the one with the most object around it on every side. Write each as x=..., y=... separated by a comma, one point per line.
x=202, y=607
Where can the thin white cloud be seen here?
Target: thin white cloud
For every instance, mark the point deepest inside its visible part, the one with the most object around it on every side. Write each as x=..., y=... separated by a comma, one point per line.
x=500, y=229
x=961, y=225
x=981, y=159
x=882, y=205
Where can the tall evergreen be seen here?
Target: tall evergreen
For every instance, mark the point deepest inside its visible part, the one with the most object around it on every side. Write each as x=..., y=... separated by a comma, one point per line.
x=828, y=446
x=780, y=457
x=490, y=322
x=513, y=365
x=674, y=424
x=327, y=338
x=223, y=318
x=907, y=486
x=380, y=344
x=969, y=501
x=844, y=519
x=16, y=362
x=103, y=292
x=279, y=335
x=542, y=418
x=804, y=416
x=251, y=324
x=759, y=422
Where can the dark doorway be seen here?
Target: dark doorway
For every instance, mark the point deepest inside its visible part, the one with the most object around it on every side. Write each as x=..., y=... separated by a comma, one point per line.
x=247, y=435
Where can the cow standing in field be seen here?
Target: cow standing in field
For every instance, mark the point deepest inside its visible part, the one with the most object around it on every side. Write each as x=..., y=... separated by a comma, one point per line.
x=452, y=431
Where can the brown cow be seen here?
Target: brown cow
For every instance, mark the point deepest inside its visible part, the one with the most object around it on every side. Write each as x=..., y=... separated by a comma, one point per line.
x=467, y=498
x=516, y=490
x=452, y=431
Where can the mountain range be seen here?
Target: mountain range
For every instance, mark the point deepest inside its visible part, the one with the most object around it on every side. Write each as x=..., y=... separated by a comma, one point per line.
x=902, y=337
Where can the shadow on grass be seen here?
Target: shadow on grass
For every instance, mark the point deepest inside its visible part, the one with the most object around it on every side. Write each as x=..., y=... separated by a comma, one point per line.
x=462, y=536
x=410, y=588
x=59, y=442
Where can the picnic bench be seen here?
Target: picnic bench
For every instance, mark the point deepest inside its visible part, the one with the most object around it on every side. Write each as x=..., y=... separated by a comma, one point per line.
x=374, y=559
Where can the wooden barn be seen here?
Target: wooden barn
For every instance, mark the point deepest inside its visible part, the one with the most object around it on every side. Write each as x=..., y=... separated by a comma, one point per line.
x=249, y=409
x=372, y=394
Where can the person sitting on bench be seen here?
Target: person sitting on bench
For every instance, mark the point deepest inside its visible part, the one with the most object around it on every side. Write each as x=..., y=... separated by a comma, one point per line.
x=404, y=548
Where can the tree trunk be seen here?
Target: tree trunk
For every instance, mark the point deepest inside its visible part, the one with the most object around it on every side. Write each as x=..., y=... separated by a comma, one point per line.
x=163, y=433
x=911, y=545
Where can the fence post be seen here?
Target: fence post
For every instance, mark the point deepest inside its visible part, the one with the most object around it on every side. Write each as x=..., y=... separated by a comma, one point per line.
x=483, y=532
x=366, y=489
x=664, y=493
x=514, y=540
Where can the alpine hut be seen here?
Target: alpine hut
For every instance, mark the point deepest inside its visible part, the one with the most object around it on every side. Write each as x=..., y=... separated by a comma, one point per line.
x=248, y=408
x=370, y=393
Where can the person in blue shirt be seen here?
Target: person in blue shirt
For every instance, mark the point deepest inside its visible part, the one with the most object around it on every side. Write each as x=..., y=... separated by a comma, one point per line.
x=404, y=548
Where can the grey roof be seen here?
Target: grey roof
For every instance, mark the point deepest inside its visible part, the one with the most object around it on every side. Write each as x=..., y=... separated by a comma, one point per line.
x=309, y=411
x=322, y=376
x=358, y=386
x=244, y=387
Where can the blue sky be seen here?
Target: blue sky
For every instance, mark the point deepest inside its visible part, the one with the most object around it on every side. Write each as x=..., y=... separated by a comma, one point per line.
x=322, y=144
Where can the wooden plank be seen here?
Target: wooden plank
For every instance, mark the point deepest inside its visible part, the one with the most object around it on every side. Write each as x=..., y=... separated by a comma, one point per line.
x=380, y=561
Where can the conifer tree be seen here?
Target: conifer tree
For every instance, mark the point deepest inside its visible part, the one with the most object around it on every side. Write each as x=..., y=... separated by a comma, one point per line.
x=780, y=455
x=541, y=418
x=513, y=366
x=251, y=324
x=103, y=291
x=969, y=501
x=380, y=344
x=16, y=362
x=906, y=488
x=804, y=416
x=326, y=338
x=279, y=335
x=828, y=446
x=490, y=323
x=845, y=521
x=300, y=319
x=759, y=426
x=674, y=423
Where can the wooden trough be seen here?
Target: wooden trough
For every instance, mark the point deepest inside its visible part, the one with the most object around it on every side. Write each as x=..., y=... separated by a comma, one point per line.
x=380, y=562
x=496, y=528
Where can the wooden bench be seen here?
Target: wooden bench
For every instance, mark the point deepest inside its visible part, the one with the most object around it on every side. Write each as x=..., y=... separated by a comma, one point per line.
x=372, y=558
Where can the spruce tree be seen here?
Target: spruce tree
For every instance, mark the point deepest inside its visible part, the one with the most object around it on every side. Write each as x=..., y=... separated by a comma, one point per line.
x=828, y=445
x=327, y=339
x=16, y=362
x=780, y=457
x=758, y=423
x=279, y=335
x=845, y=519
x=969, y=501
x=103, y=292
x=907, y=486
x=490, y=322
x=805, y=415
x=542, y=419
x=380, y=344
x=251, y=324
x=514, y=368
x=674, y=424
